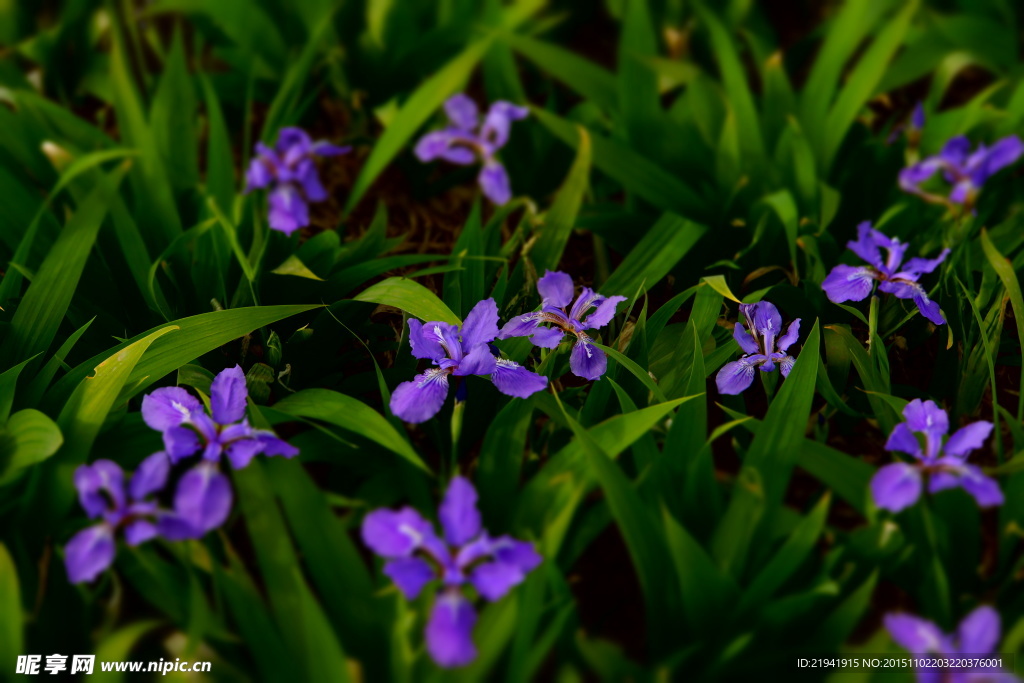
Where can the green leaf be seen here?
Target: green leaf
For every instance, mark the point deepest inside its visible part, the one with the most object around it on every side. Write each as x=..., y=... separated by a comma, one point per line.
x=411, y=297
x=865, y=77
x=28, y=437
x=554, y=232
x=197, y=335
x=775, y=450
x=11, y=619
x=633, y=171
x=118, y=645
x=293, y=265
x=737, y=86
x=665, y=244
x=351, y=415
x=40, y=312
x=414, y=113
x=586, y=78
x=787, y=559
x=1004, y=269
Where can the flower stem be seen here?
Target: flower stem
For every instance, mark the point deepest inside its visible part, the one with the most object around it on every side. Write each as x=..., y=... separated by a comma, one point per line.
x=872, y=323
x=457, y=412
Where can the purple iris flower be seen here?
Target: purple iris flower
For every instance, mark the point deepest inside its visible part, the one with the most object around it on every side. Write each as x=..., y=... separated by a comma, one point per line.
x=203, y=496
x=763, y=343
x=912, y=128
x=976, y=636
x=458, y=352
x=899, y=278
x=556, y=290
x=290, y=168
x=416, y=556
x=898, y=485
x=466, y=141
x=965, y=170
x=103, y=495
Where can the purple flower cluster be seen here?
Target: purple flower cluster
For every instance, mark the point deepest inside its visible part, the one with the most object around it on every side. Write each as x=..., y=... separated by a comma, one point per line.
x=764, y=344
x=458, y=352
x=465, y=556
x=121, y=509
x=289, y=169
x=894, y=276
x=964, y=170
x=899, y=485
x=202, y=499
x=547, y=327
x=466, y=141
x=976, y=637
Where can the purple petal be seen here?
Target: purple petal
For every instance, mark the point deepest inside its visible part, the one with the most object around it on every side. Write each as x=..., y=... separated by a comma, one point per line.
x=151, y=475
x=493, y=580
x=555, y=288
x=917, y=117
x=288, y=210
x=926, y=416
x=911, y=177
x=967, y=439
x=848, y=283
x=916, y=267
x=903, y=440
x=603, y=314
x=424, y=346
x=227, y=396
x=786, y=364
x=766, y=318
x=512, y=379
x=432, y=145
x=272, y=445
x=956, y=150
x=481, y=325
x=259, y=174
x=586, y=360
x=181, y=442
x=896, y=486
x=735, y=377
x=743, y=337
x=175, y=528
x=89, y=553
x=498, y=122
x=963, y=191
x=450, y=630
x=1003, y=153
x=395, y=533
x=410, y=574
x=293, y=142
x=479, y=361
x=790, y=337
x=943, y=480
x=139, y=531
x=168, y=407
x=547, y=337
x=241, y=452
x=203, y=498
x=979, y=631
x=984, y=489
x=462, y=112
x=327, y=149
x=866, y=245
x=514, y=559
x=494, y=182
x=520, y=326
x=90, y=483
x=929, y=309
x=309, y=178
x=458, y=513
x=587, y=299
x=914, y=634
x=421, y=399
